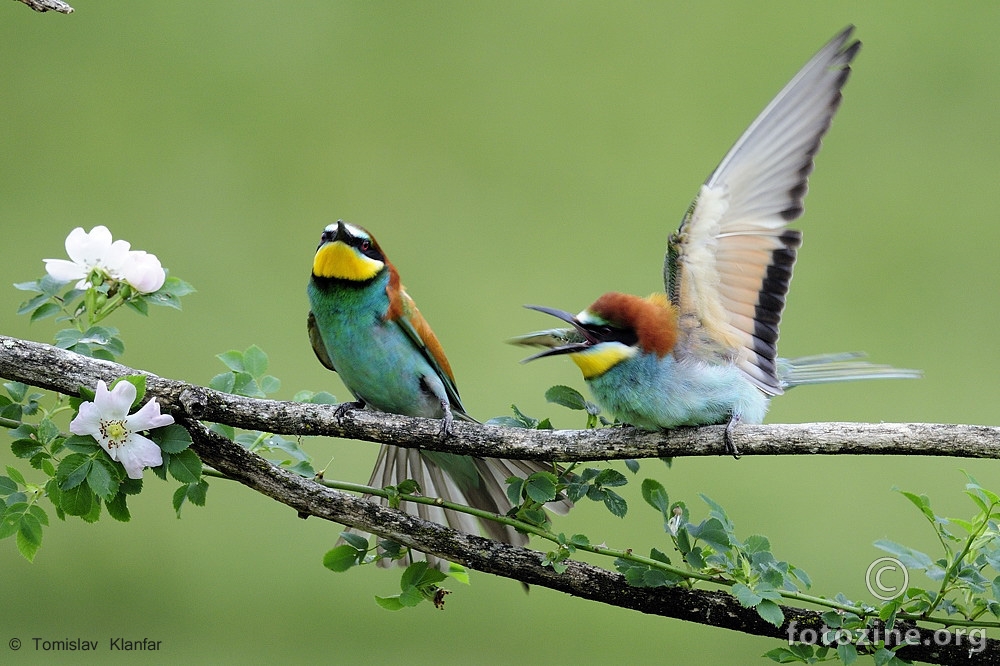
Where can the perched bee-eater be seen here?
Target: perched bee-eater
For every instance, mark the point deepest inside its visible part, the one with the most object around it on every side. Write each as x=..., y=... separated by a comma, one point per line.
x=705, y=352
x=363, y=325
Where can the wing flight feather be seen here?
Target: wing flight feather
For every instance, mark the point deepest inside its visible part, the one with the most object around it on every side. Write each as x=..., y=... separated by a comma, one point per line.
x=729, y=265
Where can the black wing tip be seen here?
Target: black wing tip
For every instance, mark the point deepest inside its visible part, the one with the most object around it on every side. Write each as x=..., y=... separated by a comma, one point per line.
x=841, y=60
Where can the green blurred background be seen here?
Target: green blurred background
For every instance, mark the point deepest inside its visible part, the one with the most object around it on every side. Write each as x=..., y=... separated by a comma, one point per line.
x=502, y=153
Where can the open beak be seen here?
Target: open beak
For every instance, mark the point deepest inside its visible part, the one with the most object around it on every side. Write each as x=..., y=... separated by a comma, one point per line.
x=547, y=339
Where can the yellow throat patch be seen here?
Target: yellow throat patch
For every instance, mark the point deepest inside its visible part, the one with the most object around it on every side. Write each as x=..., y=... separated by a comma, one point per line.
x=595, y=362
x=341, y=261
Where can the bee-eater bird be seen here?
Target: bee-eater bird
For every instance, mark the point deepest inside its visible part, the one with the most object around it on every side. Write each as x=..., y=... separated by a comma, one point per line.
x=705, y=352
x=363, y=325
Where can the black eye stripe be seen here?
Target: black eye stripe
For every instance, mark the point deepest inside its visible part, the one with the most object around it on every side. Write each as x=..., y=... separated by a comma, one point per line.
x=368, y=248
x=606, y=333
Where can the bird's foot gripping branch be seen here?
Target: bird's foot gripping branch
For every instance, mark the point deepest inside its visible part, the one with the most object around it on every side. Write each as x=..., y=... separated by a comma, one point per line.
x=84, y=448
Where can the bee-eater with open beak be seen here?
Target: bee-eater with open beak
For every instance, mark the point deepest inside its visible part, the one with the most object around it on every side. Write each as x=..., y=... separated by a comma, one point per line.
x=363, y=325
x=705, y=352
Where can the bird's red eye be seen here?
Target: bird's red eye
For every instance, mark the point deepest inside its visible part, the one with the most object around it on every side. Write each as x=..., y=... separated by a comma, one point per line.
x=365, y=245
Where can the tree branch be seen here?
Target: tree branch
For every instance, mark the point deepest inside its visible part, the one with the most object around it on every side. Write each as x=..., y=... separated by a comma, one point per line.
x=712, y=608
x=48, y=5
x=64, y=372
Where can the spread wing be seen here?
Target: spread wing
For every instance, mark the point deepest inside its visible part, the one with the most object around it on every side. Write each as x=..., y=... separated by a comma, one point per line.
x=728, y=267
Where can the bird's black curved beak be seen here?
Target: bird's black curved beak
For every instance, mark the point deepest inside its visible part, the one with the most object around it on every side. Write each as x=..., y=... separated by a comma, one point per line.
x=570, y=347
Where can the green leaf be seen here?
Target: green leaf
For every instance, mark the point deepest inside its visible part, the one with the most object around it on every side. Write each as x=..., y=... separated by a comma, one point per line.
x=255, y=362
x=541, y=487
x=73, y=470
x=526, y=421
x=10, y=518
x=39, y=514
x=410, y=597
x=244, y=384
x=615, y=503
x=716, y=509
x=610, y=477
x=76, y=501
x=32, y=303
x=178, y=498
x=847, y=653
x=356, y=541
x=389, y=603
x=566, y=396
x=920, y=501
x=169, y=294
x=771, y=612
x=197, y=493
x=47, y=431
x=29, y=537
x=756, y=543
x=656, y=578
x=659, y=556
x=233, y=360
x=747, y=597
x=270, y=384
x=910, y=558
x=341, y=558
x=67, y=338
x=432, y=576
x=323, y=398
x=783, y=655
x=15, y=475
x=633, y=465
x=139, y=305
x=514, y=486
x=190, y=492
x=656, y=496
x=172, y=438
x=84, y=444
x=458, y=572
x=185, y=466
x=713, y=533
x=7, y=486
x=29, y=286
x=392, y=550
x=103, y=478
x=412, y=574
x=16, y=390
x=505, y=422
x=118, y=508
x=45, y=310
x=130, y=486
x=408, y=487
x=42, y=461
x=223, y=382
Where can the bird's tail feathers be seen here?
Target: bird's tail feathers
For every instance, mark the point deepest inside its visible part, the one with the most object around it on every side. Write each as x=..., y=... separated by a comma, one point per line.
x=477, y=482
x=842, y=367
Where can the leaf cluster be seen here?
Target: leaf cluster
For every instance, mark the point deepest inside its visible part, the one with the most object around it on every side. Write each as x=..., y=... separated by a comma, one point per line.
x=247, y=376
x=79, y=476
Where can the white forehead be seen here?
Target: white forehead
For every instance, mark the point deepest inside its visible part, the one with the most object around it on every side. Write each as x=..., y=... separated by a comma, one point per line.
x=357, y=232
